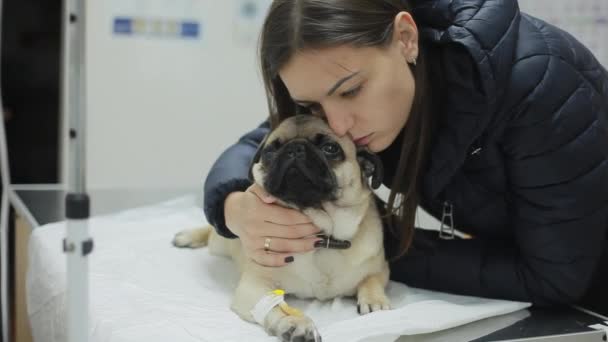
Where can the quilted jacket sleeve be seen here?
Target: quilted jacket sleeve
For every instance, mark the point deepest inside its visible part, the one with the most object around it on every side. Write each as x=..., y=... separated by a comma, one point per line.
x=556, y=152
x=229, y=174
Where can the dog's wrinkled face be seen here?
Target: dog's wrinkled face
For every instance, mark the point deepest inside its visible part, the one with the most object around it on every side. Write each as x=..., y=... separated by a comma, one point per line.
x=304, y=164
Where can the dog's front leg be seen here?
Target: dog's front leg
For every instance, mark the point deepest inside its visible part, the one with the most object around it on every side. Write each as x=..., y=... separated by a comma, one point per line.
x=371, y=295
x=284, y=322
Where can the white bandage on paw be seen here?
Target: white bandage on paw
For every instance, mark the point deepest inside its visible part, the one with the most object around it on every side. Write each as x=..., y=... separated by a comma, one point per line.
x=272, y=299
x=263, y=307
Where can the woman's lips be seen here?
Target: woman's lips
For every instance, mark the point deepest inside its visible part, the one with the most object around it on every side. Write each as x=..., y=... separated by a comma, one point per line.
x=363, y=140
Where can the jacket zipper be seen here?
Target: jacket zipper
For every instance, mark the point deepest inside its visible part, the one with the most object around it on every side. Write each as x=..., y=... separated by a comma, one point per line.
x=446, y=231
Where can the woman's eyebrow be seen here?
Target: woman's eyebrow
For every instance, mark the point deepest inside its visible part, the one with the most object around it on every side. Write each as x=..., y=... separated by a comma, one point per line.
x=340, y=82
x=331, y=91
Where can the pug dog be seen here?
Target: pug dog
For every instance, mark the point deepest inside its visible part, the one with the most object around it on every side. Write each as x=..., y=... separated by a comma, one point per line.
x=308, y=168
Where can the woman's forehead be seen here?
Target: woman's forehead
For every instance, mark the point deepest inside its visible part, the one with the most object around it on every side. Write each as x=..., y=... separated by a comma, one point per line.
x=322, y=68
x=334, y=60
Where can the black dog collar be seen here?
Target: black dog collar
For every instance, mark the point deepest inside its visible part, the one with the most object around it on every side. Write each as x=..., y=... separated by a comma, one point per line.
x=330, y=243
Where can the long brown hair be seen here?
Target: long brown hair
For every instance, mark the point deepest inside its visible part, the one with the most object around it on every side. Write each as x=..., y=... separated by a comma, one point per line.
x=295, y=25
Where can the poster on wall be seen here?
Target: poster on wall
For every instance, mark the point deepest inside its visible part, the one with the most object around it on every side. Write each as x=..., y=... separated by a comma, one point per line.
x=168, y=19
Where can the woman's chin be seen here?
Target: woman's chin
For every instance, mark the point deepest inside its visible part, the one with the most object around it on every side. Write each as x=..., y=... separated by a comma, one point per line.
x=375, y=146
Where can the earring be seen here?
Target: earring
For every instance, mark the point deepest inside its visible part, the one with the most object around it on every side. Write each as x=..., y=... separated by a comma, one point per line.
x=412, y=60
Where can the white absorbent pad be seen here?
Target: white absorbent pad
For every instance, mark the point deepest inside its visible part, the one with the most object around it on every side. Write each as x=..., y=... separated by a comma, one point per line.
x=144, y=289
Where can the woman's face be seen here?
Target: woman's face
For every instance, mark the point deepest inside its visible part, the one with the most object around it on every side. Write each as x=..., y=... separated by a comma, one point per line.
x=365, y=93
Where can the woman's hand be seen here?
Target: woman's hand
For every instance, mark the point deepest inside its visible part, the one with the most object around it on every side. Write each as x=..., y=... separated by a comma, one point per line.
x=270, y=234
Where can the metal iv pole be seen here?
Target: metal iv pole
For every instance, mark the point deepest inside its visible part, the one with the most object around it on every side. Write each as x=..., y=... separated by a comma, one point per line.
x=77, y=245
x=4, y=213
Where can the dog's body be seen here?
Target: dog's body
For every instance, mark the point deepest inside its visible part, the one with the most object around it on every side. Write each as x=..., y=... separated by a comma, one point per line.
x=348, y=213
x=321, y=274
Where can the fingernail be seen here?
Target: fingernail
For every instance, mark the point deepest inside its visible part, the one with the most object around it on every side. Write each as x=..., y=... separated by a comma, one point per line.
x=289, y=259
x=320, y=243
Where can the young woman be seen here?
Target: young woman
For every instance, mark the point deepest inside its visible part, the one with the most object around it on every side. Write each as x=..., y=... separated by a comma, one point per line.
x=481, y=114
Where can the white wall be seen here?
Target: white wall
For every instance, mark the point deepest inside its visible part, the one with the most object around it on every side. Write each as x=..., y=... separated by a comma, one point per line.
x=160, y=110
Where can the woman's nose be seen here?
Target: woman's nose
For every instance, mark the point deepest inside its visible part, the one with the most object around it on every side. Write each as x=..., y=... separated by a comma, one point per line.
x=340, y=119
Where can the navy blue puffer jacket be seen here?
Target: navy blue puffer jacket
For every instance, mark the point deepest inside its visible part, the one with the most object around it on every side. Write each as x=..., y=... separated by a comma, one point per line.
x=520, y=156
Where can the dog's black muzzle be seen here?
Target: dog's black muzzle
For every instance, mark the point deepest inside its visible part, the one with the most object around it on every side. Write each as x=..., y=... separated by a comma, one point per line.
x=300, y=174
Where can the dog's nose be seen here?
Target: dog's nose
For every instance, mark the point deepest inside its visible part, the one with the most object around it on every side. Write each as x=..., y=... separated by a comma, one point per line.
x=295, y=150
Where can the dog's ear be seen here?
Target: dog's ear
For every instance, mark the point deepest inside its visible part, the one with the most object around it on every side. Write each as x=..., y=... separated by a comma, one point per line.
x=257, y=156
x=371, y=166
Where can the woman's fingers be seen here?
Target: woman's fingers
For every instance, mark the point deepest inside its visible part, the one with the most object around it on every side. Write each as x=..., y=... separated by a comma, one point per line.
x=299, y=231
x=271, y=259
x=261, y=193
x=288, y=217
x=275, y=213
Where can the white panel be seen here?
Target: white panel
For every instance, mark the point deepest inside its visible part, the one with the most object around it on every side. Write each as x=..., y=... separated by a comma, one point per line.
x=161, y=108
x=587, y=20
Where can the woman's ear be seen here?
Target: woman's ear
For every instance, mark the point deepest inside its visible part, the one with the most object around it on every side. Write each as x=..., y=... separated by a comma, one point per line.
x=371, y=166
x=405, y=34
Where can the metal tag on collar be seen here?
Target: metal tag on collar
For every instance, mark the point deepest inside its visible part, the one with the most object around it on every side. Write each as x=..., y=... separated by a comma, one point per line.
x=446, y=231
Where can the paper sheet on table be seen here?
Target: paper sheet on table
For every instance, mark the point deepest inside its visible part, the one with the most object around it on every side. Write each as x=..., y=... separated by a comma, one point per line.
x=144, y=289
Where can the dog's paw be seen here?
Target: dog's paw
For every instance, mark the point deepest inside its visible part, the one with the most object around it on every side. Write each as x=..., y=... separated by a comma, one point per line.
x=190, y=238
x=297, y=329
x=369, y=304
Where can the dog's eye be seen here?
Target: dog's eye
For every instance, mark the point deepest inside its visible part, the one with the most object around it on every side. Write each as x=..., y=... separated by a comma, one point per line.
x=330, y=149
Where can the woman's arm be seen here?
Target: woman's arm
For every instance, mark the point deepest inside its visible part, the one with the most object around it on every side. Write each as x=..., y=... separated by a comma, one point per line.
x=229, y=174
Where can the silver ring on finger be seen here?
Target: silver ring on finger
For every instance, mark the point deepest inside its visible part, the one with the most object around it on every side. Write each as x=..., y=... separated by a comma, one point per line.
x=267, y=244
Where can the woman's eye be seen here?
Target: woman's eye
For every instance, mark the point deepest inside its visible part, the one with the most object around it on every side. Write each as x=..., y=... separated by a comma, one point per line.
x=351, y=93
x=315, y=108
x=312, y=108
x=330, y=149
